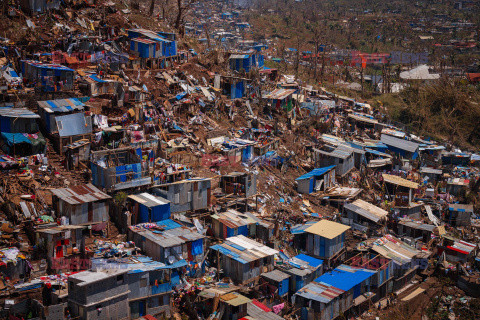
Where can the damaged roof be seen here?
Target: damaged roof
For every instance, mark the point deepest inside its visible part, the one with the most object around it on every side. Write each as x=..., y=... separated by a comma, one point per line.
x=366, y=210
x=8, y=112
x=243, y=249
x=399, y=181
x=399, y=143
x=80, y=194
x=61, y=105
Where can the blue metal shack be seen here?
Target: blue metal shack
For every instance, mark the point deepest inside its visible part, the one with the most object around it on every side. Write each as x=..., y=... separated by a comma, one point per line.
x=49, y=110
x=279, y=280
x=149, y=208
x=316, y=179
x=243, y=259
x=325, y=240
x=168, y=47
x=320, y=301
x=51, y=77
x=146, y=48
x=150, y=282
x=405, y=148
x=302, y=269
x=348, y=278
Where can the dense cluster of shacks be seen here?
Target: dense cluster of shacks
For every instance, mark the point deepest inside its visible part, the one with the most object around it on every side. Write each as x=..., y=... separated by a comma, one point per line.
x=137, y=183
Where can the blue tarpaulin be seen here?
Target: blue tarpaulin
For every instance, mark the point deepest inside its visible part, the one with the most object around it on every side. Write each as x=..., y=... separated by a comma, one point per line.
x=15, y=138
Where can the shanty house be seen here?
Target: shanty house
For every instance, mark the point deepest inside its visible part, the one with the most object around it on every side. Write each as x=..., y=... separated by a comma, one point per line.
x=343, y=158
x=150, y=283
x=233, y=223
x=258, y=310
x=62, y=243
x=415, y=230
x=363, y=216
x=456, y=250
x=66, y=121
x=13, y=264
x=302, y=269
x=246, y=61
x=99, y=295
x=82, y=204
x=235, y=306
x=456, y=185
x=186, y=195
x=168, y=241
x=166, y=45
x=281, y=98
x=433, y=175
x=459, y=215
x=401, y=189
x=243, y=259
x=326, y=240
x=320, y=301
x=239, y=183
x=49, y=77
x=20, y=134
x=405, y=259
x=278, y=280
x=316, y=180
x=118, y=169
x=148, y=208
x=405, y=148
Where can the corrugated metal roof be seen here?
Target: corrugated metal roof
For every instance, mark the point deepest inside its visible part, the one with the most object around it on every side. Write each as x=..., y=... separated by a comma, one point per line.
x=174, y=235
x=300, y=228
x=307, y=261
x=320, y=292
x=133, y=264
x=315, y=172
x=399, y=143
x=143, y=40
x=149, y=200
x=47, y=65
x=258, y=313
x=61, y=105
x=280, y=94
x=327, y=229
x=345, y=277
x=366, y=210
x=399, y=181
x=239, y=56
x=234, y=299
x=393, y=248
x=80, y=194
x=18, y=113
x=243, y=249
x=420, y=226
x=276, y=275
x=74, y=124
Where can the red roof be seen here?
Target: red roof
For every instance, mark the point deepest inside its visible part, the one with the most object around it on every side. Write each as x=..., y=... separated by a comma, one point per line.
x=261, y=305
x=473, y=77
x=456, y=249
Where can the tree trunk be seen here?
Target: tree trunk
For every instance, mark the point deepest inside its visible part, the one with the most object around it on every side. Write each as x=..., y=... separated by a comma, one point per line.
x=152, y=7
x=178, y=20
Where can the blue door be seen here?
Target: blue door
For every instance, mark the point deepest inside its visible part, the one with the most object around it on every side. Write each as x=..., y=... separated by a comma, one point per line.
x=141, y=308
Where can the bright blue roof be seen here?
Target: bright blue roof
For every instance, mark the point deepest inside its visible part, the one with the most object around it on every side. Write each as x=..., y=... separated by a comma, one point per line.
x=298, y=229
x=168, y=224
x=345, y=277
x=313, y=262
x=315, y=172
x=15, y=138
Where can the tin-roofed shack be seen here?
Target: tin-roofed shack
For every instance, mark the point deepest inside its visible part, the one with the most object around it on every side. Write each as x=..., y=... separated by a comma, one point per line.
x=118, y=169
x=99, y=295
x=150, y=282
x=66, y=121
x=316, y=180
x=341, y=157
x=243, y=259
x=405, y=148
x=239, y=183
x=82, y=204
x=168, y=241
x=148, y=208
x=401, y=189
x=20, y=133
x=459, y=215
x=186, y=195
x=63, y=244
x=364, y=216
x=302, y=269
x=48, y=77
x=326, y=240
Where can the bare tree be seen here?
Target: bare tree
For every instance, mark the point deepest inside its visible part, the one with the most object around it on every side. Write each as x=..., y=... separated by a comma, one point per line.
x=183, y=6
x=152, y=7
